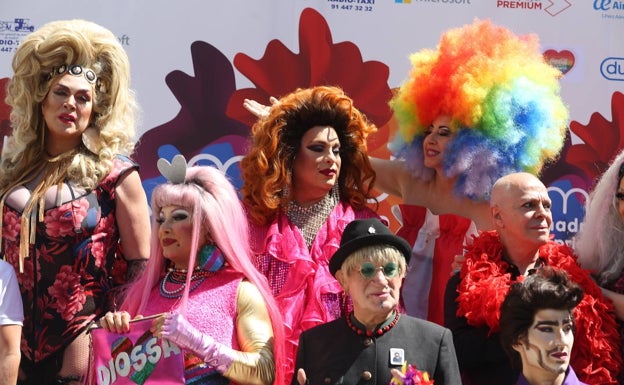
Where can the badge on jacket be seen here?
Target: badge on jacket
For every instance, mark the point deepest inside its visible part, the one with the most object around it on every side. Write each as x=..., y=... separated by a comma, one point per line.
x=397, y=356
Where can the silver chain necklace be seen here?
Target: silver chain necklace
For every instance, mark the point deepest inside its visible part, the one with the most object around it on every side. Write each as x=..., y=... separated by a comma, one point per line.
x=309, y=219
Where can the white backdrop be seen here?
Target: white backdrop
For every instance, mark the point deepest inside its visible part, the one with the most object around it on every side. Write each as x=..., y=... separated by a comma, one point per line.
x=582, y=37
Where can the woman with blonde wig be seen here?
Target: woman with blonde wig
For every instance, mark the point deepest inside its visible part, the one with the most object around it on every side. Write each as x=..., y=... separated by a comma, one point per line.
x=75, y=220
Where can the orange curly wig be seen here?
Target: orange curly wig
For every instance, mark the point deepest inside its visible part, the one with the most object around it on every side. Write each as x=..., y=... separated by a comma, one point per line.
x=276, y=139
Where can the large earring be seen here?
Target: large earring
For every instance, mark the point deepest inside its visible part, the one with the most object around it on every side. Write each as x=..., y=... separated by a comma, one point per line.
x=91, y=139
x=335, y=192
x=44, y=127
x=285, y=193
x=210, y=258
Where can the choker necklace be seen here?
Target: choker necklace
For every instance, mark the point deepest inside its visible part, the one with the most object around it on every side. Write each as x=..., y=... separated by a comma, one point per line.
x=309, y=219
x=177, y=277
x=372, y=333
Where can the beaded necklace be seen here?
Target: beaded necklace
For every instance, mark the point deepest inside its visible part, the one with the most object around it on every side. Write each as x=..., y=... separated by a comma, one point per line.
x=309, y=219
x=372, y=333
x=177, y=277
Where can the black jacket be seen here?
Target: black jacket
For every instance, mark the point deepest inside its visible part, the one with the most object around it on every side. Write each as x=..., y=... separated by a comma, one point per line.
x=334, y=354
x=481, y=357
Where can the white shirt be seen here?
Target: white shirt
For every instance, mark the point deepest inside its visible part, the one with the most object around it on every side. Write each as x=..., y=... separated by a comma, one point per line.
x=11, y=308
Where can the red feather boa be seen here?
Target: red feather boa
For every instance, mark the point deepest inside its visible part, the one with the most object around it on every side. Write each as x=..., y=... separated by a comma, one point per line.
x=485, y=282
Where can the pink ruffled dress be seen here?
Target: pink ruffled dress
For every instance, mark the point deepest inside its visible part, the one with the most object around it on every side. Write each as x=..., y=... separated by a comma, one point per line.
x=306, y=292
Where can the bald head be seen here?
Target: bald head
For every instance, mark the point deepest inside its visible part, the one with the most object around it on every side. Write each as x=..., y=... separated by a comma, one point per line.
x=505, y=187
x=520, y=209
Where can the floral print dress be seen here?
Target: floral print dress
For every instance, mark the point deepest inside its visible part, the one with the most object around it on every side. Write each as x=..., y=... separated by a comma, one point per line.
x=71, y=267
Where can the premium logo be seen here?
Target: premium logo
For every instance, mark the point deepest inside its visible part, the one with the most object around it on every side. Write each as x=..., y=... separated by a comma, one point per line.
x=552, y=7
x=557, y=6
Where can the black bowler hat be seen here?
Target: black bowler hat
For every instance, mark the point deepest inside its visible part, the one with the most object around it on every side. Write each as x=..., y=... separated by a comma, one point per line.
x=366, y=232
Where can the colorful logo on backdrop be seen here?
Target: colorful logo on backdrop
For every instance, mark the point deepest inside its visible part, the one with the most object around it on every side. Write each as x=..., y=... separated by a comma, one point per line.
x=11, y=31
x=562, y=60
x=608, y=5
x=136, y=358
x=567, y=210
x=610, y=9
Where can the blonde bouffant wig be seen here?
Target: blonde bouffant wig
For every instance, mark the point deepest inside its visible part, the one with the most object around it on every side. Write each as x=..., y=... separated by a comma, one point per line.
x=112, y=128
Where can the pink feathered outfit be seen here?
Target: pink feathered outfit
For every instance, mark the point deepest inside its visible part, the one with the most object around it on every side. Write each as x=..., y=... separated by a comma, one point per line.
x=306, y=292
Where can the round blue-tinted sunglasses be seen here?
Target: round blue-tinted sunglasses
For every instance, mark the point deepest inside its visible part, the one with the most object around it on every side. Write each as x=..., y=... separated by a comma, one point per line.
x=368, y=270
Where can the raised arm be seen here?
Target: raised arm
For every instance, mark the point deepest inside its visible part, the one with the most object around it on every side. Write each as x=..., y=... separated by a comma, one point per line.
x=392, y=178
x=259, y=110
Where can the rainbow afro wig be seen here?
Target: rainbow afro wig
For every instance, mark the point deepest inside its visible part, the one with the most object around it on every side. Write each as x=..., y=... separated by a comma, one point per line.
x=503, y=98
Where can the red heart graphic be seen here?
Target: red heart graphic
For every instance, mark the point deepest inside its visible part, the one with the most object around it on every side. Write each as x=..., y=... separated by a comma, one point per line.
x=562, y=60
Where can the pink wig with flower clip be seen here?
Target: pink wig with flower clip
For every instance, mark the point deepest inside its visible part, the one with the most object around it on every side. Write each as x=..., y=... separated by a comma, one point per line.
x=503, y=97
x=217, y=211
